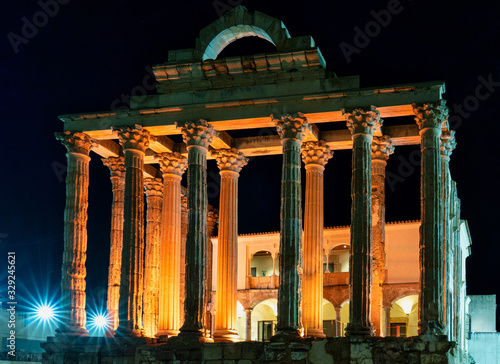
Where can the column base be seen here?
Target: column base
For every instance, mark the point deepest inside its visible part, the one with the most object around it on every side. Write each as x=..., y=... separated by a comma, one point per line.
x=226, y=336
x=194, y=336
x=125, y=332
x=353, y=330
x=316, y=333
x=434, y=328
x=164, y=335
x=286, y=335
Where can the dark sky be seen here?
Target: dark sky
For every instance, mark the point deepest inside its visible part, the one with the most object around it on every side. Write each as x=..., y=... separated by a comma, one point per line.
x=90, y=53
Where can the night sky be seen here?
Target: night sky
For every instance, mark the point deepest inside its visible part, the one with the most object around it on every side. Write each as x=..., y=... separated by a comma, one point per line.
x=89, y=55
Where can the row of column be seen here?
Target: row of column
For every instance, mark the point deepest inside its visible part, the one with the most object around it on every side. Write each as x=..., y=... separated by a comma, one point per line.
x=367, y=235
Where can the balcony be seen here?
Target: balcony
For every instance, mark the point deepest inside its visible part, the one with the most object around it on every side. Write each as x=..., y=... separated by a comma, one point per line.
x=270, y=282
x=336, y=279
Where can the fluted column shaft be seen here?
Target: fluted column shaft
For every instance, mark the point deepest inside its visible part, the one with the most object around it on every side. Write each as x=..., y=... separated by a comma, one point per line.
x=381, y=149
x=447, y=145
x=74, y=317
x=315, y=155
x=172, y=166
x=361, y=123
x=291, y=130
x=230, y=162
x=135, y=141
x=117, y=169
x=430, y=118
x=197, y=136
x=153, y=188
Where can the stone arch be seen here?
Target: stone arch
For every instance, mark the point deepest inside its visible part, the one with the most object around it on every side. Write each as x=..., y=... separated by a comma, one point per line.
x=235, y=24
x=393, y=292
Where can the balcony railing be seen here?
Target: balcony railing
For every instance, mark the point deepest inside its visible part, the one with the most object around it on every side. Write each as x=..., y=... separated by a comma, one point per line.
x=336, y=279
x=269, y=282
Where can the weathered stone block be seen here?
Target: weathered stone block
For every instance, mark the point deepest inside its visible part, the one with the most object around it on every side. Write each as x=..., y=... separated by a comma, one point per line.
x=232, y=351
x=212, y=352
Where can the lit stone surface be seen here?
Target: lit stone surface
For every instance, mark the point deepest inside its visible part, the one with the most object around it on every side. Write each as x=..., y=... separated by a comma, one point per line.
x=135, y=141
x=153, y=188
x=291, y=129
x=197, y=135
x=362, y=123
x=78, y=146
x=448, y=144
x=116, y=167
x=172, y=166
x=315, y=155
x=381, y=149
x=230, y=163
x=430, y=118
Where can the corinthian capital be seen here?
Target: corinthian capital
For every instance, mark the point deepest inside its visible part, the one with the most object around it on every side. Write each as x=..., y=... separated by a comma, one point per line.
x=133, y=137
x=153, y=186
x=290, y=126
x=116, y=166
x=382, y=147
x=431, y=115
x=448, y=142
x=316, y=153
x=76, y=142
x=196, y=133
x=362, y=120
x=172, y=163
x=229, y=159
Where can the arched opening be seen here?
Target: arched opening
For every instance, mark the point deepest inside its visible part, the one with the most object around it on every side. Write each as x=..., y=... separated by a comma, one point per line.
x=344, y=318
x=329, y=319
x=231, y=34
x=261, y=264
x=247, y=46
x=264, y=318
x=240, y=321
x=337, y=260
x=404, y=317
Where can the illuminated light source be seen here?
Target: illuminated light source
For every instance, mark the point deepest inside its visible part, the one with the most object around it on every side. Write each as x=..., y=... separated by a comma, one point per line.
x=44, y=312
x=99, y=322
x=406, y=303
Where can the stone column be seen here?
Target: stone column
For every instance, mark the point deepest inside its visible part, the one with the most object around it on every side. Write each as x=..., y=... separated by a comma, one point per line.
x=198, y=136
x=230, y=162
x=291, y=129
x=116, y=167
x=248, y=328
x=381, y=149
x=184, y=227
x=338, y=327
x=315, y=155
x=430, y=118
x=387, y=327
x=447, y=146
x=135, y=141
x=212, y=219
x=153, y=188
x=361, y=122
x=172, y=166
x=74, y=318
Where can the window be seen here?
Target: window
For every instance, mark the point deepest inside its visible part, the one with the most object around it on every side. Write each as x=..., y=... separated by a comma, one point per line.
x=265, y=330
x=330, y=328
x=398, y=329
